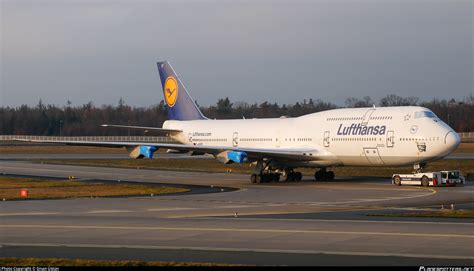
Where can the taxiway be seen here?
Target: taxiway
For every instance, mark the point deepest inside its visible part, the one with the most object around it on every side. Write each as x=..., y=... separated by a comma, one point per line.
x=306, y=223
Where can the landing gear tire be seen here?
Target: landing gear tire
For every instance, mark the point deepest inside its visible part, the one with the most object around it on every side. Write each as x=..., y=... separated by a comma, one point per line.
x=253, y=178
x=265, y=178
x=317, y=176
x=397, y=180
x=290, y=177
x=323, y=175
x=276, y=177
x=320, y=176
x=330, y=175
x=294, y=176
x=298, y=176
x=425, y=181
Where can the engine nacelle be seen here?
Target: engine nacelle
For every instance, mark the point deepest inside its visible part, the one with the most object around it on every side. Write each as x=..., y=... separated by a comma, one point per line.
x=228, y=157
x=141, y=152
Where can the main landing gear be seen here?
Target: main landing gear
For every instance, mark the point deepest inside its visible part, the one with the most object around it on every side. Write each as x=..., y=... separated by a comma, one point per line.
x=323, y=175
x=265, y=178
x=265, y=173
x=292, y=176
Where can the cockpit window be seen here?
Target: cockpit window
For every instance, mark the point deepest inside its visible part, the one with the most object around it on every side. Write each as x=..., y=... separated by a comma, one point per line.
x=425, y=114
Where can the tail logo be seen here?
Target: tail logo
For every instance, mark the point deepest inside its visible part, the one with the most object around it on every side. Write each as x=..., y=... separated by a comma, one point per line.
x=171, y=91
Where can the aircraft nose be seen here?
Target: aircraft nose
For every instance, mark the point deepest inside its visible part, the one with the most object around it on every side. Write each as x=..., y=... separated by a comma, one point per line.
x=452, y=140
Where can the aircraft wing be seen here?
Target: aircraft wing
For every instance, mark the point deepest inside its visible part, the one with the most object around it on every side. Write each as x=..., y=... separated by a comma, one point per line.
x=155, y=129
x=299, y=153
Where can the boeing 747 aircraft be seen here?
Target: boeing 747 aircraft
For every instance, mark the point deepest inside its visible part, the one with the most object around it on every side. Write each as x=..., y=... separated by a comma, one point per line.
x=385, y=136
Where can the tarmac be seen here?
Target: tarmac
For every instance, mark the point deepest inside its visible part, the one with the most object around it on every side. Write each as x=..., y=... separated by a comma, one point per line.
x=233, y=221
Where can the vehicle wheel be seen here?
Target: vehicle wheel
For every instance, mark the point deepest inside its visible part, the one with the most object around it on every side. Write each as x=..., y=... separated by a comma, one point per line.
x=424, y=181
x=397, y=180
x=258, y=178
x=330, y=175
x=253, y=178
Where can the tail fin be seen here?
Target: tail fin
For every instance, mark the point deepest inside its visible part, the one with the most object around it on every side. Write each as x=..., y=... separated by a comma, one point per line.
x=180, y=105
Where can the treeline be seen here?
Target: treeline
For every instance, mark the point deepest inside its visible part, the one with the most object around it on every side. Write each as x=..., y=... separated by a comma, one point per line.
x=86, y=119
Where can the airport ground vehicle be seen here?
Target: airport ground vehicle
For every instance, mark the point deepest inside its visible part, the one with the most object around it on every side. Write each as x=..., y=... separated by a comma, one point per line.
x=452, y=177
x=439, y=178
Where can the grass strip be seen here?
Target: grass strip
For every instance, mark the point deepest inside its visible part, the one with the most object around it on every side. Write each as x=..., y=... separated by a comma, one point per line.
x=47, y=189
x=83, y=262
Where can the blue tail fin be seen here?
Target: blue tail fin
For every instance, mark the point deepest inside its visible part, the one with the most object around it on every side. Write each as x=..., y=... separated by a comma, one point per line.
x=180, y=105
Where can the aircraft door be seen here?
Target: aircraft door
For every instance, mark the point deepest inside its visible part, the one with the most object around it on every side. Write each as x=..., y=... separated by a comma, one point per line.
x=367, y=116
x=326, y=139
x=373, y=156
x=278, y=139
x=390, y=139
x=235, y=139
x=190, y=138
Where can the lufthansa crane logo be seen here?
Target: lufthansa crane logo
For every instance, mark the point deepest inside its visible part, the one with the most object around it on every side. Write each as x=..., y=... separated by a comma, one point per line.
x=171, y=91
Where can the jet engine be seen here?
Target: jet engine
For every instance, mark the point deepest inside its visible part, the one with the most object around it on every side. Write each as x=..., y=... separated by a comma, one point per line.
x=141, y=152
x=228, y=157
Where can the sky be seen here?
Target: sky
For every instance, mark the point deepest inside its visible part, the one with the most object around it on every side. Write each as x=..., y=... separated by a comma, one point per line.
x=251, y=51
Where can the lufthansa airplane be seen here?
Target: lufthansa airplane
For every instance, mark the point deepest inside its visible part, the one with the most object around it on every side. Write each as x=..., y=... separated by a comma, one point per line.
x=374, y=136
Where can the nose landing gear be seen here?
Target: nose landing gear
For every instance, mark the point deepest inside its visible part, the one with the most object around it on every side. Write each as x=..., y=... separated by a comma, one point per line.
x=418, y=168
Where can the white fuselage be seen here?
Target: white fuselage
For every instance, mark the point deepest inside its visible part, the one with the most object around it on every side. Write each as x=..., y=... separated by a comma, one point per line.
x=385, y=136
